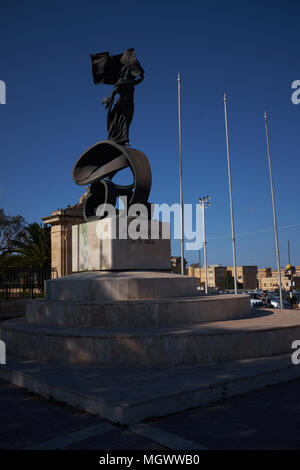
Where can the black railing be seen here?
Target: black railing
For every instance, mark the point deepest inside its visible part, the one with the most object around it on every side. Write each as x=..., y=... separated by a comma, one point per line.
x=24, y=282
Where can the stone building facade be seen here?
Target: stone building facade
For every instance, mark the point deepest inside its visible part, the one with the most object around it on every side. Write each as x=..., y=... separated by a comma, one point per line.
x=247, y=275
x=176, y=265
x=61, y=222
x=215, y=275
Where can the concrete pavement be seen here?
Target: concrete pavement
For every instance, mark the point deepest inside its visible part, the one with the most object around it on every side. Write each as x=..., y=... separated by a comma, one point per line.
x=264, y=419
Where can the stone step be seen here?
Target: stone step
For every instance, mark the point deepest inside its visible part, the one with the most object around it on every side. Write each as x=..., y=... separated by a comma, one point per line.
x=161, y=312
x=12, y=308
x=129, y=394
x=99, y=286
x=266, y=333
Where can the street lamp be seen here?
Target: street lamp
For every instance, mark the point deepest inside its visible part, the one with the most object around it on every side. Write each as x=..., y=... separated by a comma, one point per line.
x=204, y=203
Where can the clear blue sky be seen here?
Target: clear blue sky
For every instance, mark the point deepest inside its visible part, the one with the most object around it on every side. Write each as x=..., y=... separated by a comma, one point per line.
x=250, y=49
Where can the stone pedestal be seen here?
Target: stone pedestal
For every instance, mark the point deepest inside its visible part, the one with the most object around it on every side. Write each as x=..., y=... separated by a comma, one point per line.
x=103, y=286
x=108, y=245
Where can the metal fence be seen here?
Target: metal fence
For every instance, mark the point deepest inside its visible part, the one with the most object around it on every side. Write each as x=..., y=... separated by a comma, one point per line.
x=24, y=282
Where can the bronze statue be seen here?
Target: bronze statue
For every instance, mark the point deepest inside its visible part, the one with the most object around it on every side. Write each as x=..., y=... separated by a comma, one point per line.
x=100, y=163
x=120, y=115
x=125, y=72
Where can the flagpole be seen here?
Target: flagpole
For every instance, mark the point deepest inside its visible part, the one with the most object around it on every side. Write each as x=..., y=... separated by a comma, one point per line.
x=180, y=173
x=230, y=193
x=274, y=211
x=204, y=247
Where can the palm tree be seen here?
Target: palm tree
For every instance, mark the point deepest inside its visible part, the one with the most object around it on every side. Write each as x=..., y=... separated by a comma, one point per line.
x=34, y=247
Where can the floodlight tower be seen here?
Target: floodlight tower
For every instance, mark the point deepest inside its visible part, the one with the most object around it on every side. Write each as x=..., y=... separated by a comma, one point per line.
x=204, y=204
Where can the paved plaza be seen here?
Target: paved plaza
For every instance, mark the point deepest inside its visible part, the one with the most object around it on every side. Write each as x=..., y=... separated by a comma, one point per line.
x=265, y=419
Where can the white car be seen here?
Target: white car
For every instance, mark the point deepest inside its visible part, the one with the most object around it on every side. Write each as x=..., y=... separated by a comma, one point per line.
x=275, y=303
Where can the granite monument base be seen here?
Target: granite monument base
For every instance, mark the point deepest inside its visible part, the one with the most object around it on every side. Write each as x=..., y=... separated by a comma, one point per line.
x=121, y=244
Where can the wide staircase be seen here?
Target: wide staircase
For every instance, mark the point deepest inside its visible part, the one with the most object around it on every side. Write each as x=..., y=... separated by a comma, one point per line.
x=132, y=345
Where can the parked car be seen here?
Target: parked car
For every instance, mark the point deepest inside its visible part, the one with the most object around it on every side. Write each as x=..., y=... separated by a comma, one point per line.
x=256, y=300
x=275, y=302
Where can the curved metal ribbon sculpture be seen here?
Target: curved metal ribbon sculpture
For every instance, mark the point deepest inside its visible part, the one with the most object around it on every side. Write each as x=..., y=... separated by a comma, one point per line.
x=99, y=164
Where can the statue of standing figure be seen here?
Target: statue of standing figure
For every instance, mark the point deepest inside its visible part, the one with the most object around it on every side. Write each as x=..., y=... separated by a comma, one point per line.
x=124, y=72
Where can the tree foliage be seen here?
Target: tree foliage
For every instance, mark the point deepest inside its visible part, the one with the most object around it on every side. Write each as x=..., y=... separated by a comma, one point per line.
x=11, y=230
x=34, y=246
x=23, y=245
